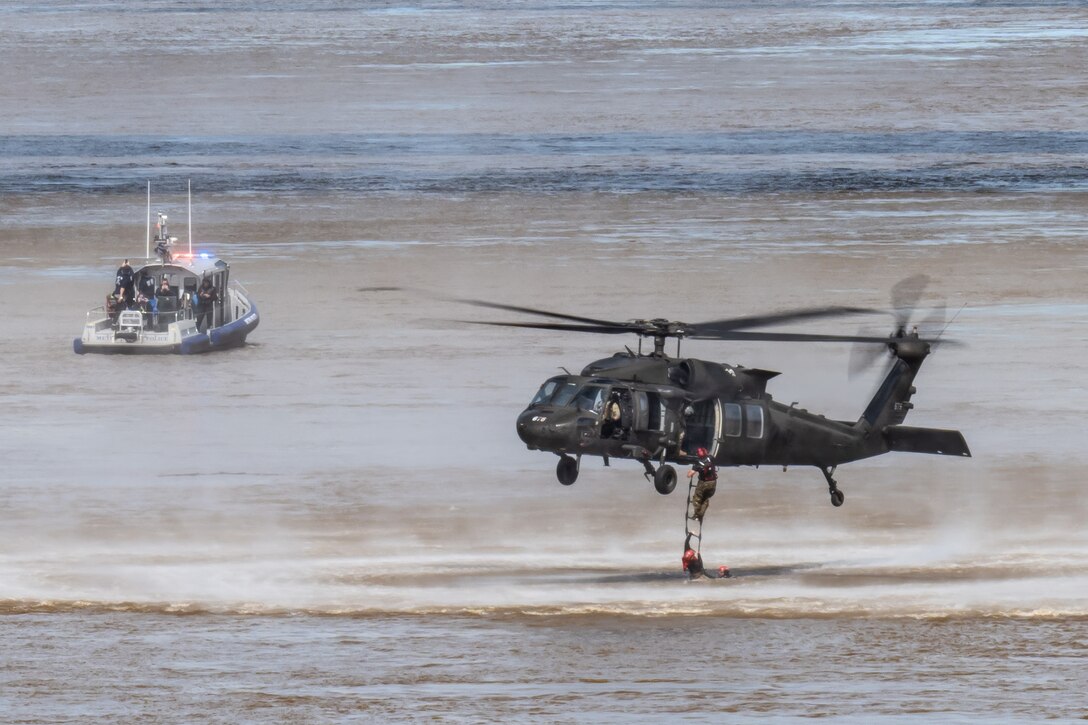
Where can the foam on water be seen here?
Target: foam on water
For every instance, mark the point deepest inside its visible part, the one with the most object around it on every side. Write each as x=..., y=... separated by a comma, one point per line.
x=264, y=563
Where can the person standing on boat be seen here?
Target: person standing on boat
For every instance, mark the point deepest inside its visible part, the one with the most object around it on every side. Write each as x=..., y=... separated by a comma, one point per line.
x=125, y=282
x=206, y=297
x=145, y=298
x=165, y=300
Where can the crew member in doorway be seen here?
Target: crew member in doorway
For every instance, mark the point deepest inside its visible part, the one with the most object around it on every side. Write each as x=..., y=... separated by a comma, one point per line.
x=206, y=297
x=708, y=482
x=612, y=416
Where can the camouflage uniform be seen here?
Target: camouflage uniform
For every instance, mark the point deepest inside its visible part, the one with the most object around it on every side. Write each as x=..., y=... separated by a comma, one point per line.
x=704, y=490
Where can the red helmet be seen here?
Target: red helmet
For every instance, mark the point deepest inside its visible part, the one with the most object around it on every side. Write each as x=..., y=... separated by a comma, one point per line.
x=689, y=556
x=700, y=452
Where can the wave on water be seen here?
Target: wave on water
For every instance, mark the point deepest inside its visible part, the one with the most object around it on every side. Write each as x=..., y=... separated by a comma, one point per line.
x=998, y=588
x=729, y=163
x=741, y=143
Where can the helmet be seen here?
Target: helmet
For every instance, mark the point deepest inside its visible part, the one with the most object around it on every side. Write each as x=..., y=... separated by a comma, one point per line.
x=689, y=556
x=700, y=452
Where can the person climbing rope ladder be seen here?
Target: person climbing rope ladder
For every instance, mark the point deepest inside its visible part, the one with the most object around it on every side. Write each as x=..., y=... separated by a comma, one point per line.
x=708, y=482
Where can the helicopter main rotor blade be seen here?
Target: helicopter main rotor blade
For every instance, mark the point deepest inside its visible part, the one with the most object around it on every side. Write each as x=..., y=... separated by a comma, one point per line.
x=778, y=318
x=788, y=337
x=600, y=329
x=500, y=306
x=534, y=311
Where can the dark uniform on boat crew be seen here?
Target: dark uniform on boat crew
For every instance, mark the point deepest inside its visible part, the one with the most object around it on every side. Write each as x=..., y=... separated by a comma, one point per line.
x=124, y=282
x=206, y=298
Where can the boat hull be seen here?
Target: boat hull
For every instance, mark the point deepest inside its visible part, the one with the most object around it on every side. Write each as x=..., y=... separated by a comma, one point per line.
x=233, y=334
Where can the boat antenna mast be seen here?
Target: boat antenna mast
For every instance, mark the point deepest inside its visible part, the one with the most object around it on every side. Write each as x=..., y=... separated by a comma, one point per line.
x=147, y=244
x=190, y=217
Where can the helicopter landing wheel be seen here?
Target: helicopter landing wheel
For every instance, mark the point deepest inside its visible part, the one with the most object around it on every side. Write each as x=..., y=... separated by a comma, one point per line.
x=837, y=496
x=566, y=470
x=665, y=479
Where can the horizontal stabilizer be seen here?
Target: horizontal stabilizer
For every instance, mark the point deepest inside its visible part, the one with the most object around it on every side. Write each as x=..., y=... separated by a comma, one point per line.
x=926, y=440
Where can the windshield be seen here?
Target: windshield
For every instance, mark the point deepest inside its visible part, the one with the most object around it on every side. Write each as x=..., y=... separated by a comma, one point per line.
x=545, y=392
x=591, y=397
x=565, y=394
x=557, y=392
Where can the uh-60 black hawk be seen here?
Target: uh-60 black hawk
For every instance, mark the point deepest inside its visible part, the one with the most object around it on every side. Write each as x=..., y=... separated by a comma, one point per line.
x=672, y=406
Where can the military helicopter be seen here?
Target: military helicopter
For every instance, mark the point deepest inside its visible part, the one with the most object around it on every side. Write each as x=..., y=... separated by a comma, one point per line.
x=671, y=406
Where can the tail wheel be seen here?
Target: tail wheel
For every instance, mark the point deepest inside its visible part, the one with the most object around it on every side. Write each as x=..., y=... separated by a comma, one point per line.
x=665, y=480
x=837, y=497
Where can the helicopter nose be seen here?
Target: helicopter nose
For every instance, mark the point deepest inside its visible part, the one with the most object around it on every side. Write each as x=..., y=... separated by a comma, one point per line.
x=540, y=429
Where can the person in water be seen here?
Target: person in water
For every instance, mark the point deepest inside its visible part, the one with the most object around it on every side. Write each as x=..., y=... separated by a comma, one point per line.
x=693, y=564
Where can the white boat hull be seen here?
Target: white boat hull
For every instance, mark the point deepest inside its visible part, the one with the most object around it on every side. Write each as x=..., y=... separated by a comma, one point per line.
x=103, y=336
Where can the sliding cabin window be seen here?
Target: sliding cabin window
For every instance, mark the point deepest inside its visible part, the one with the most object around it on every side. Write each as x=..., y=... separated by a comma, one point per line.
x=732, y=420
x=755, y=420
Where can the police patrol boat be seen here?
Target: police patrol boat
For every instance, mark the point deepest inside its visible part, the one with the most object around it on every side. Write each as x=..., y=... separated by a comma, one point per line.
x=157, y=305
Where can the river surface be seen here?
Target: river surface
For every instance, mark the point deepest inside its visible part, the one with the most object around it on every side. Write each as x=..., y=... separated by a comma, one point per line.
x=338, y=523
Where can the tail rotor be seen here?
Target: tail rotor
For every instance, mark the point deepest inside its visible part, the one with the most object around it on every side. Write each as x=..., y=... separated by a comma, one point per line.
x=906, y=297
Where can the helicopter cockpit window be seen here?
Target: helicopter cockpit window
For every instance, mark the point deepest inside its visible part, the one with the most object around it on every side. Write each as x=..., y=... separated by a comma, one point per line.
x=564, y=394
x=545, y=392
x=591, y=397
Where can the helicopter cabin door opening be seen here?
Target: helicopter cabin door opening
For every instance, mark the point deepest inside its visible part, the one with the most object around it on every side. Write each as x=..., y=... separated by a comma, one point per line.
x=703, y=427
x=640, y=412
x=615, y=402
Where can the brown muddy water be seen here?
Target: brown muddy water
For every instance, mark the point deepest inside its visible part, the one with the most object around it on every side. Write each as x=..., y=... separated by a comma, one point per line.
x=337, y=523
